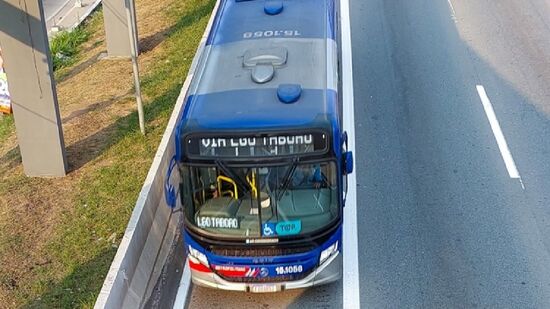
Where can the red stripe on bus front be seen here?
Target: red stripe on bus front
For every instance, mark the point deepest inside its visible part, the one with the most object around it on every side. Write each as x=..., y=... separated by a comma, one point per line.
x=199, y=267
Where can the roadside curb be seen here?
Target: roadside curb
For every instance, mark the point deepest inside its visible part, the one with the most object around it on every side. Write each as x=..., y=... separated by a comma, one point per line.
x=351, y=293
x=184, y=288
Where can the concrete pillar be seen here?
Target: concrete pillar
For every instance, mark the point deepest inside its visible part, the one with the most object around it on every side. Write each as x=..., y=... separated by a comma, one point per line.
x=116, y=28
x=27, y=61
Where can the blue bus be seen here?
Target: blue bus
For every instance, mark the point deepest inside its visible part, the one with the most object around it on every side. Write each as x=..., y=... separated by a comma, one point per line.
x=260, y=149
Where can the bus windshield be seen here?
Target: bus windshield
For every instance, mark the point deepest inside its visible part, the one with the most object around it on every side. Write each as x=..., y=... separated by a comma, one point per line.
x=285, y=200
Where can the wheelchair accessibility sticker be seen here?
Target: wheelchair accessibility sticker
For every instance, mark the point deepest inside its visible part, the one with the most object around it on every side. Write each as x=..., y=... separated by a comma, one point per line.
x=268, y=229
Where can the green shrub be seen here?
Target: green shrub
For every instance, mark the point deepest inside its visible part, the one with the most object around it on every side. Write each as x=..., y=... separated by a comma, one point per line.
x=64, y=46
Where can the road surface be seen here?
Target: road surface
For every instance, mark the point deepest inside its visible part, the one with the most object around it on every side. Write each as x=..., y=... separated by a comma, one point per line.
x=452, y=109
x=51, y=7
x=443, y=223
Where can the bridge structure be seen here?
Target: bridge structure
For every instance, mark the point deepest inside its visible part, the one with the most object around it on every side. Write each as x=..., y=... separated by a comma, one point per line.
x=24, y=29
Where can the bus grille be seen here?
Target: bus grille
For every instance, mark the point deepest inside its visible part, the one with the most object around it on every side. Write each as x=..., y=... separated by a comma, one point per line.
x=284, y=278
x=260, y=252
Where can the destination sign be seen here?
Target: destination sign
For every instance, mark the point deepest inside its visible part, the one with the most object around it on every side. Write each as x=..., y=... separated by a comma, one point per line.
x=257, y=146
x=217, y=222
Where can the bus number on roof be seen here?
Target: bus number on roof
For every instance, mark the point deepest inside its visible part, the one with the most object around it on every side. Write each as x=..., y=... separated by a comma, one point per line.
x=271, y=33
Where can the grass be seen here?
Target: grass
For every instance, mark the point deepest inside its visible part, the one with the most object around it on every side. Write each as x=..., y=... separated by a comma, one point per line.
x=86, y=234
x=6, y=126
x=65, y=45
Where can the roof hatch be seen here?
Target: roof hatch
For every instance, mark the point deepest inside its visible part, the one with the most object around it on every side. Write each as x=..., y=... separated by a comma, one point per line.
x=264, y=61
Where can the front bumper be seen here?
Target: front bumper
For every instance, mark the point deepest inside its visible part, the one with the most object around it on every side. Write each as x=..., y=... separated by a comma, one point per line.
x=329, y=271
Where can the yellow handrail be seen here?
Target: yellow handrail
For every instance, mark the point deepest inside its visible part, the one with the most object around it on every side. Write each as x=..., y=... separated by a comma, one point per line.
x=231, y=181
x=252, y=184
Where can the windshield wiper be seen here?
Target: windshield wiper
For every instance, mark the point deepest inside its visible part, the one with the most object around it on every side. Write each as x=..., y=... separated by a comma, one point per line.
x=228, y=172
x=287, y=179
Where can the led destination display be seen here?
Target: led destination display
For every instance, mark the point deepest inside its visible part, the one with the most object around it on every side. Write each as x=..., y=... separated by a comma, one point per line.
x=256, y=146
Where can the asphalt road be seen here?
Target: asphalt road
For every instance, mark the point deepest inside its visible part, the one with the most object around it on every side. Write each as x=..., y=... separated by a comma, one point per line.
x=441, y=222
x=52, y=6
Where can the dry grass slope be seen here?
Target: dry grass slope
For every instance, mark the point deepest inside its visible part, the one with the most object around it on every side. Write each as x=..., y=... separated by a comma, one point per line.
x=58, y=236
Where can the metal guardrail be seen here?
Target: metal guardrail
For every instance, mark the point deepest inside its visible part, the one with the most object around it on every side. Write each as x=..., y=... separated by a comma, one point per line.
x=153, y=225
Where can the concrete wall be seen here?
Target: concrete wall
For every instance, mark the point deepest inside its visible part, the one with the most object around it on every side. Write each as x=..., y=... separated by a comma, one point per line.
x=146, y=242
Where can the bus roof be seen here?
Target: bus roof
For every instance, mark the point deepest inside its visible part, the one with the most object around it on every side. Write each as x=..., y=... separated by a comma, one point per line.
x=254, y=61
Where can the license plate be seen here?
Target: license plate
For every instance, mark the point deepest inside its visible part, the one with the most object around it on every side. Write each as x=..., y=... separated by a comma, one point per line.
x=265, y=288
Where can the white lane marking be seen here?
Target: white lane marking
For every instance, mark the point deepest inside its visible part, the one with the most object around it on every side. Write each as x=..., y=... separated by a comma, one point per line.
x=453, y=14
x=351, y=298
x=184, y=287
x=499, y=136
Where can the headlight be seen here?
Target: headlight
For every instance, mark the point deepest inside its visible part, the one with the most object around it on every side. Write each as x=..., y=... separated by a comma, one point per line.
x=198, y=255
x=325, y=254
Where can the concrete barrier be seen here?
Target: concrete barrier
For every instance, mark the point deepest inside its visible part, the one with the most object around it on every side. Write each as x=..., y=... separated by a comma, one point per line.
x=70, y=16
x=153, y=225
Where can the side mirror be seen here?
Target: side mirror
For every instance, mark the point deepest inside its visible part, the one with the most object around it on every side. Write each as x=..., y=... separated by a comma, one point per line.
x=170, y=192
x=347, y=163
x=345, y=139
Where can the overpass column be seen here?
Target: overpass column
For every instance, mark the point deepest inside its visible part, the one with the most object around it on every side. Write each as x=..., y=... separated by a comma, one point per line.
x=117, y=28
x=27, y=61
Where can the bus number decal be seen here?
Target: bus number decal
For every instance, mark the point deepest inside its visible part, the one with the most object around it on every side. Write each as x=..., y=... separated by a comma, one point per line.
x=287, y=270
x=271, y=33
